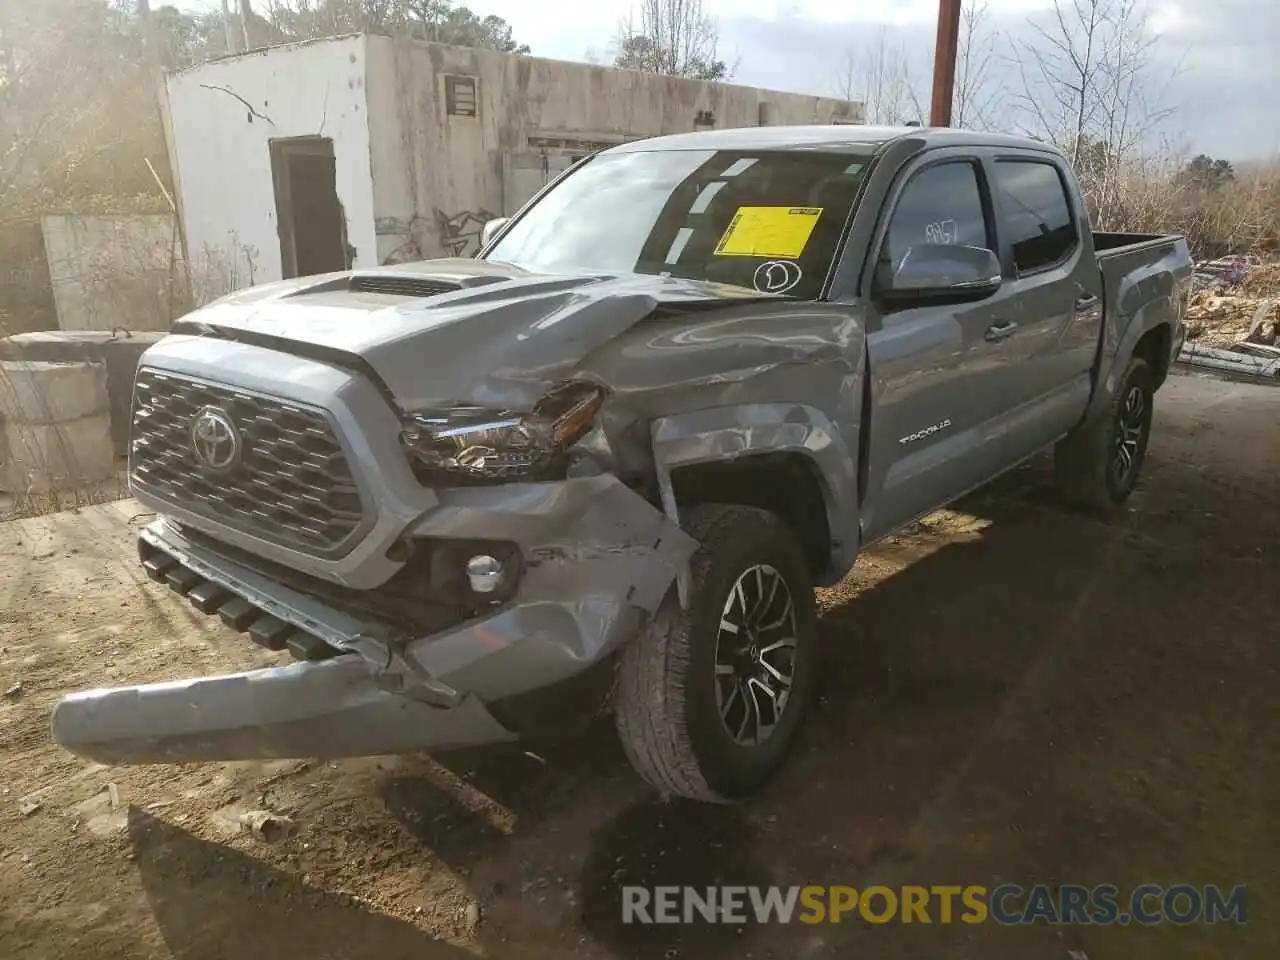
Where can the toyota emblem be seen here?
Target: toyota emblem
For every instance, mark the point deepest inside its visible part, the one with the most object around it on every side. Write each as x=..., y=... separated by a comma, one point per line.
x=215, y=439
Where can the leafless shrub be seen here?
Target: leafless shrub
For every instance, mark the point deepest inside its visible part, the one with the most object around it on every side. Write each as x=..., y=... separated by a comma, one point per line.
x=1154, y=195
x=880, y=77
x=77, y=122
x=673, y=37
x=218, y=271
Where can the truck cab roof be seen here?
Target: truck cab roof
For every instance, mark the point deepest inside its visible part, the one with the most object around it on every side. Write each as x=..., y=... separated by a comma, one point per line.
x=835, y=137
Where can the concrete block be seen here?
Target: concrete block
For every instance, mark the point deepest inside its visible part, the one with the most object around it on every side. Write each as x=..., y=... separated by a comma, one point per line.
x=57, y=346
x=38, y=392
x=43, y=457
x=109, y=271
x=121, y=355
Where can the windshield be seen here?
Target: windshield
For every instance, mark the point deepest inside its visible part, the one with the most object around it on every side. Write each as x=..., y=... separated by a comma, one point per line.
x=768, y=220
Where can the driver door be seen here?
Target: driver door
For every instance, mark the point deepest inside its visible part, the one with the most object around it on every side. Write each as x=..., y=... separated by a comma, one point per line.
x=940, y=374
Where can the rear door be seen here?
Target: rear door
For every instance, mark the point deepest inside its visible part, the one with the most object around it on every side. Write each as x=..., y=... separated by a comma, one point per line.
x=939, y=382
x=1052, y=307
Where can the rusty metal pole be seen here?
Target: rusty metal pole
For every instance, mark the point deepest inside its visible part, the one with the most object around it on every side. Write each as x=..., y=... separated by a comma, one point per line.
x=944, y=63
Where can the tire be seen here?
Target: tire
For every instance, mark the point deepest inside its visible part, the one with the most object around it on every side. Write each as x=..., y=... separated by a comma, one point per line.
x=1098, y=464
x=674, y=705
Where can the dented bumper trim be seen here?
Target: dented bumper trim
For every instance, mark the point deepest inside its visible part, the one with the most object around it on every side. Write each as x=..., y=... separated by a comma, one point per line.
x=375, y=644
x=330, y=709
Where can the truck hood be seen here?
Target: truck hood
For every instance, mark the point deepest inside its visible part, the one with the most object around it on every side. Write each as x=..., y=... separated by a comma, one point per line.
x=455, y=329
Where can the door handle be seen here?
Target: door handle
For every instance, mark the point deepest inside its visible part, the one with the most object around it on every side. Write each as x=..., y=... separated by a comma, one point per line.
x=1000, y=331
x=1086, y=302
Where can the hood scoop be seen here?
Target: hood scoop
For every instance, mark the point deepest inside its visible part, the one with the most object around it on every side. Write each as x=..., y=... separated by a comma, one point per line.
x=399, y=285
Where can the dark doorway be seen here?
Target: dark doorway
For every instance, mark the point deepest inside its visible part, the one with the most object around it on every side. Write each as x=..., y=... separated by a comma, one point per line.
x=309, y=217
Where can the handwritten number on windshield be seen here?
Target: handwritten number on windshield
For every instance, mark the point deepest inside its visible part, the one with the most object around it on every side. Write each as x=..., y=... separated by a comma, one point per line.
x=940, y=232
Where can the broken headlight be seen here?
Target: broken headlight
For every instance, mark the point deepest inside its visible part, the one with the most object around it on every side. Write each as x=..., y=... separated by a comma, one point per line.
x=471, y=444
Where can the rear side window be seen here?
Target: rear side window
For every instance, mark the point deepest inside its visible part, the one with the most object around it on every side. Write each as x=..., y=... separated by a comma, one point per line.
x=1036, y=214
x=940, y=204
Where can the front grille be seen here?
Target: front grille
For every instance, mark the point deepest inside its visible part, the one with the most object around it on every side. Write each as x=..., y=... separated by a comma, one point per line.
x=292, y=485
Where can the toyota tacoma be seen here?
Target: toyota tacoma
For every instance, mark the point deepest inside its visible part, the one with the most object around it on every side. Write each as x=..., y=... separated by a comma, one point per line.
x=612, y=454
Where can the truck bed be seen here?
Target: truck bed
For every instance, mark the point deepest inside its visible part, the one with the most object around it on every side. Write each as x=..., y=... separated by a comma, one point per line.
x=1105, y=244
x=1142, y=273
x=1139, y=265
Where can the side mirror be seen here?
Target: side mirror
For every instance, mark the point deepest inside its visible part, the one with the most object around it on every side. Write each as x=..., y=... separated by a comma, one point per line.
x=490, y=228
x=949, y=272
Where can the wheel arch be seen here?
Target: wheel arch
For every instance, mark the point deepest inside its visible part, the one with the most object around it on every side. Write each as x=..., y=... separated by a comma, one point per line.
x=1150, y=331
x=1156, y=346
x=786, y=458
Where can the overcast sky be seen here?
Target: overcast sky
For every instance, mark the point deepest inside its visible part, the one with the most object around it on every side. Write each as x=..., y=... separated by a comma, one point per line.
x=1225, y=53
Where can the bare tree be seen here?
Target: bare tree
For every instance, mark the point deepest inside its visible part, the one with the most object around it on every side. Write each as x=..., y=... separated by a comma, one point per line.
x=73, y=89
x=978, y=95
x=77, y=125
x=674, y=37
x=442, y=21
x=1088, y=75
x=1060, y=67
x=1089, y=85
x=232, y=37
x=879, y=77
x=1130, y=106
x=250, y=30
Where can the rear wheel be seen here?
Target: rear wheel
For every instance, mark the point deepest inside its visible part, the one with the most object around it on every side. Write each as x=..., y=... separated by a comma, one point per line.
x=1098, y=465
x=710, y=699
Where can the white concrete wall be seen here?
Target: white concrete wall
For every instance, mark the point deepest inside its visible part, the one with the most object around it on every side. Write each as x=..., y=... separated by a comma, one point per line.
x=224, y=116
x=112, y=271
x=438, y=177
x=395, y=208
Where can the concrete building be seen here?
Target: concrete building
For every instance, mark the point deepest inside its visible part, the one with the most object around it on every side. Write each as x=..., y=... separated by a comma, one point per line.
x=363, y=150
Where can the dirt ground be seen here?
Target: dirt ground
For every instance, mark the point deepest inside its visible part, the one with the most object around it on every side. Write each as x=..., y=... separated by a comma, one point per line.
x=1016, y=693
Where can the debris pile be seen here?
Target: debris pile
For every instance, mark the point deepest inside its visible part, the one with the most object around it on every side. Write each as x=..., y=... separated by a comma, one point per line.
x=1220, y=319
x=1263, y=280
x=1233, y=319
x=1229, y=271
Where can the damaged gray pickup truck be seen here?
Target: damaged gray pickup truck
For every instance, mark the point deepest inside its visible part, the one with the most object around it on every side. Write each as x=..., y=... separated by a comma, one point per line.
x=607, y=460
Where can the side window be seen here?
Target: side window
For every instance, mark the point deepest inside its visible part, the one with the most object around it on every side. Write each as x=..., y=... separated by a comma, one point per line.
x=940, y=204
x=1035, y=214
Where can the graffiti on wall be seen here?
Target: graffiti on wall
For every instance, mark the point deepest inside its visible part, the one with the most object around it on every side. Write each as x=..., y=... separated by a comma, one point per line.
x=460, y=232
x=407, y=232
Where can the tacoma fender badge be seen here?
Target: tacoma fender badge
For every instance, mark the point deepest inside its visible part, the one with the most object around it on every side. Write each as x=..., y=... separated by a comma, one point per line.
x=926, y=432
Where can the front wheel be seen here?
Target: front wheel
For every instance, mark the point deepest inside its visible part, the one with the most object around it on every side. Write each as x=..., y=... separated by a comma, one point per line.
x=710, y=699
x=1098, y=465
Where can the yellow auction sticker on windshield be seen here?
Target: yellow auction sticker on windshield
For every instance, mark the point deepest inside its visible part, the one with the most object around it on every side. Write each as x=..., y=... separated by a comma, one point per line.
x=781, y=232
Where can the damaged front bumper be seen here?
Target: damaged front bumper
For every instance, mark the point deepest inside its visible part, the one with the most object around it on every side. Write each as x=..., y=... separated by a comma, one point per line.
x=597, y=558
x=329, y=709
